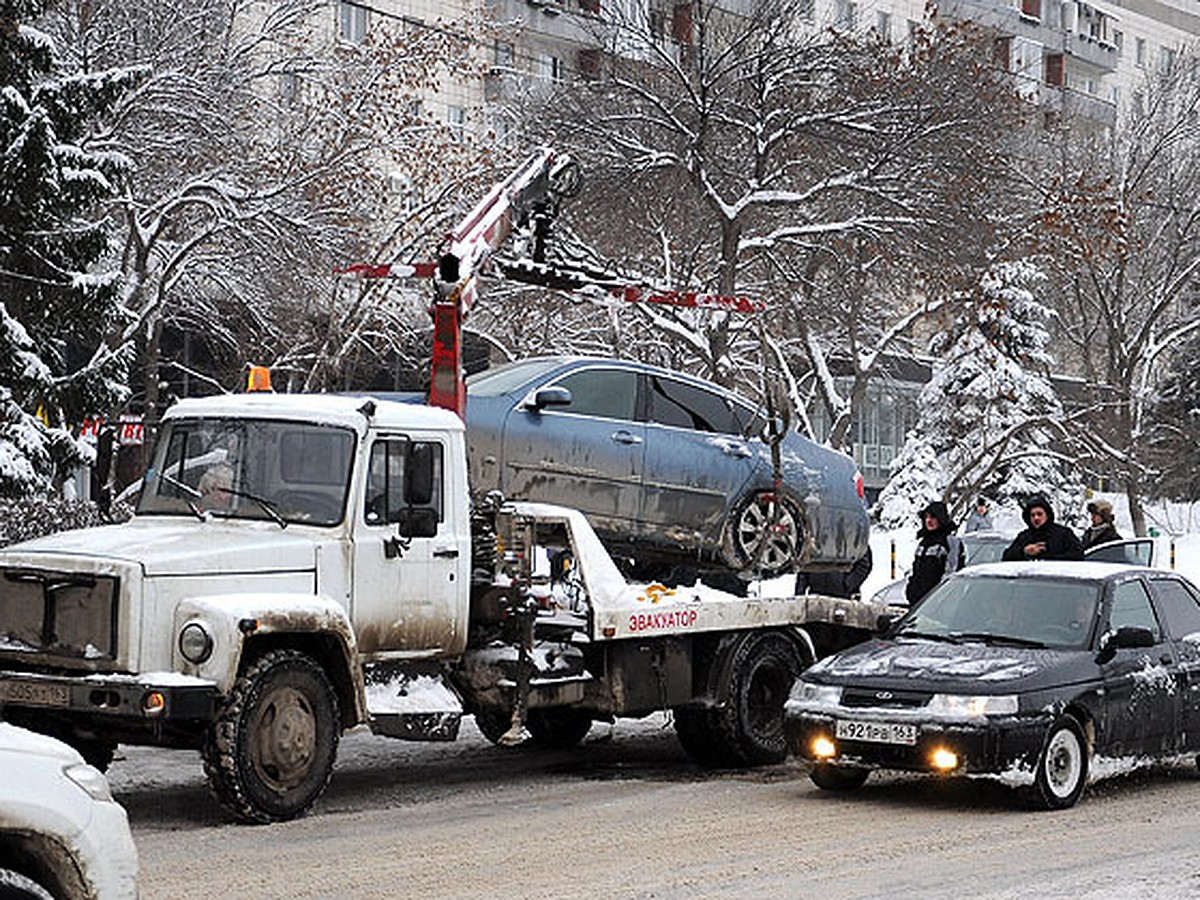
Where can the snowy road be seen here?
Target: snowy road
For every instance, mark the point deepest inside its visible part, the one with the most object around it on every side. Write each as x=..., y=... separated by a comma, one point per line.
x=627, y=815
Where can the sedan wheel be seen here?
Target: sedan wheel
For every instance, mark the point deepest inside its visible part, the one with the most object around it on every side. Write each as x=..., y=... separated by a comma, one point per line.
x=764, y=534
x=1062, y=766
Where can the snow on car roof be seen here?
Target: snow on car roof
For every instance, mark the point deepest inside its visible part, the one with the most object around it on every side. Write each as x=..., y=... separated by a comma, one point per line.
x=330, y=408
x=1072, y=569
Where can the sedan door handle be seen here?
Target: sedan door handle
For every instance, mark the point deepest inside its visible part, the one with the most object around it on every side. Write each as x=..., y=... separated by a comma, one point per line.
x=446, y=553
x=738, y=451
x=624, y=437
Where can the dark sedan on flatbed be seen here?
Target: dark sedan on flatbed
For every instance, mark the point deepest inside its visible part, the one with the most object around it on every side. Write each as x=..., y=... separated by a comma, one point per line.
x=1038, y=674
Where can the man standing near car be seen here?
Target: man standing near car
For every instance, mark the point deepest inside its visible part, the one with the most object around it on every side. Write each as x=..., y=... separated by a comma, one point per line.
x=1044, y=538
x=938, y=554
x=1102, y=530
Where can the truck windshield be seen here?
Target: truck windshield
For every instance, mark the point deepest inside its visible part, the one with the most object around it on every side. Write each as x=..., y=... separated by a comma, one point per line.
x=250, y=469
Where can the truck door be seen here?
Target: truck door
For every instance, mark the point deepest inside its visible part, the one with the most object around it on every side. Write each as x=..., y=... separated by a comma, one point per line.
x=411, y=562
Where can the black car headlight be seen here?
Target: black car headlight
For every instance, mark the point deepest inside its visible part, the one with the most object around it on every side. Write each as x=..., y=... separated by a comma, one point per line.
x=822, y=694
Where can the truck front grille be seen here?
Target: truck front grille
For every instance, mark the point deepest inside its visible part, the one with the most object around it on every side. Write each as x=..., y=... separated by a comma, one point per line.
x=58, y=613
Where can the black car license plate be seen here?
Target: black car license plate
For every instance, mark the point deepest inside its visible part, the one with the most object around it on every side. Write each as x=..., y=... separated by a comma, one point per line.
x=876, y=732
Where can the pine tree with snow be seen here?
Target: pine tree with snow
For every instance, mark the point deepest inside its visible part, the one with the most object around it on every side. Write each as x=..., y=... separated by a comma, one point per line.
x=983, y=423
x=55, y=306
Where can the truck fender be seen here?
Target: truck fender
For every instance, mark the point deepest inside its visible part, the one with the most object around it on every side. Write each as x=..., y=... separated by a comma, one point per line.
x=243, y=626
x=721, y=673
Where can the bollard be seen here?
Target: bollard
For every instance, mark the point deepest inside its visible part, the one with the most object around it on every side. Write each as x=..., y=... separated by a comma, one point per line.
x=1172, y=554
x=893, y=559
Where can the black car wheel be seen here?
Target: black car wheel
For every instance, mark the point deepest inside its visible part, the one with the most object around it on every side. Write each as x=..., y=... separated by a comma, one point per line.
x=764, y=534
x=1062, y=766
x=493, y=724
x=838, y=778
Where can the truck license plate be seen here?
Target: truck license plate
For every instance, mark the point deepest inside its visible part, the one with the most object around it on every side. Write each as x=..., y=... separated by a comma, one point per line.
x=34, y=693
x=876, y=732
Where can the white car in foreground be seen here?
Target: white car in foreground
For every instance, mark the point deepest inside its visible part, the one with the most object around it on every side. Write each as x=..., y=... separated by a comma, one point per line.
x=62, y=835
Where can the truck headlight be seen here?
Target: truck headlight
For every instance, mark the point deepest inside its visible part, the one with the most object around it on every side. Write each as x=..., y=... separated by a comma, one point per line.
x=967, y=706
x=824, y=694
x=195, y=643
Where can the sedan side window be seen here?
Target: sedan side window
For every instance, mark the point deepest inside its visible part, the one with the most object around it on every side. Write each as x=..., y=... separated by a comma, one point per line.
x=607, y=393
x=1131, y=606
x=686, y=406
x=1179, y=608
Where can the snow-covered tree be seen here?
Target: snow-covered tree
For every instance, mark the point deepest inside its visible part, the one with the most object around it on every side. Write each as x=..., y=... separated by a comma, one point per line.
x=989, y=419
x=757, y=155
x=57, y=307
x=1121, y=222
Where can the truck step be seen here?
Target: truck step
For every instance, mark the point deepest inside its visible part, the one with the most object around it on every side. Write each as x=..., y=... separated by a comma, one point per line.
x=412, y=705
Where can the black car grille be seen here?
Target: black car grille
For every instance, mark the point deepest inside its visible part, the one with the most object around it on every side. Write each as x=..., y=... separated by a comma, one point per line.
x=58, y=613
x=860, y=697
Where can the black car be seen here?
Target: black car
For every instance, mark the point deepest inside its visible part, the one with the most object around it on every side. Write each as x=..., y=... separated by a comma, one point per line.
x=1027, y=672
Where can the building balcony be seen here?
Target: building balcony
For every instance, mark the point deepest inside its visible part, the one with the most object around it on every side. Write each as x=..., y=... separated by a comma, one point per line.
x=1099, y=54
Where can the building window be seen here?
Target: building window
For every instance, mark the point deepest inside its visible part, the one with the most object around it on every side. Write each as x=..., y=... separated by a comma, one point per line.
x=591, y=7
x=806, y=10
x=549, y=67
x=352, y=22
x=1139, y=53
x=456, y=118
x=847, y=14
x=502, y=55
x=1055, y=70
x=883, y=26
x=1118, y=40
x=1166, y=60
x=1032, y=9
x=289, y=86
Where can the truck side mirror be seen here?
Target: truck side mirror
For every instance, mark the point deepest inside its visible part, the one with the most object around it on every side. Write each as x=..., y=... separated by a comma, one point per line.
x=418, y=475
x=549, y=396
x=417, y=522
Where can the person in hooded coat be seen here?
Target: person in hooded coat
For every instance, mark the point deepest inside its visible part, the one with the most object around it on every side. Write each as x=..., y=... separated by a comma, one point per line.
x=1102, y=529
x=1044, y=538
x=938, y=554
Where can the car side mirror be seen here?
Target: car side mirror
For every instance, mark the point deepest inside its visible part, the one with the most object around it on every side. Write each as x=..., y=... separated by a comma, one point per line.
x=885, y=622
x=418, y=477
x=549, y=396
x=1127, y=637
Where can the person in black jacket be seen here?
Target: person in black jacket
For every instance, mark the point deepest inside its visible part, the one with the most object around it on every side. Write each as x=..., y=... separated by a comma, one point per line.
x=1103, y=530
x=938, y=554
x=1044, y=538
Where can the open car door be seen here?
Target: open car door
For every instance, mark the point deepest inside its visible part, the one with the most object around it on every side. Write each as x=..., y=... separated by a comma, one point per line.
x=1133, y=552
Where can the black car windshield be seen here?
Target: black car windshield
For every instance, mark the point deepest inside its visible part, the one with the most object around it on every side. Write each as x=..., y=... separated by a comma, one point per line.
x=509, y=377
x=250, y=469
x=1059, y=613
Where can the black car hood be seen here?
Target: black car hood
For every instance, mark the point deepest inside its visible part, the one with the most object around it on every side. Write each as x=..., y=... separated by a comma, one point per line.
x=912, y=664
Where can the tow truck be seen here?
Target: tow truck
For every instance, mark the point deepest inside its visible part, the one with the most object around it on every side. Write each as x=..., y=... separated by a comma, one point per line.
x=300, y=565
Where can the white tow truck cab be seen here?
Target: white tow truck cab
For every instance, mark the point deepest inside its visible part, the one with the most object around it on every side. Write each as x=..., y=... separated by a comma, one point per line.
x=302, y=564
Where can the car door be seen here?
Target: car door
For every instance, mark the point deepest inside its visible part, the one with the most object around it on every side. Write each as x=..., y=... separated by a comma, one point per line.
x=1141, y=703
x=410, y=559
x=697, y=459
x=1132, y=552
x=1180, y=608
x=586, y=454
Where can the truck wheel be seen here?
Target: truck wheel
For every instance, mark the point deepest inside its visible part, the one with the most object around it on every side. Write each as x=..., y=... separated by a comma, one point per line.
x=746, y=728
x=96, y=753
x=838, y=778
x=15, y=886
x=1062, y=766
x=764, y=533
x=558, y=728
x=270, y=752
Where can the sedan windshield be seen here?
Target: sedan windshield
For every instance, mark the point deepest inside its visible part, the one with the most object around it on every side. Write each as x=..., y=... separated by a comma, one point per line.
x=1035, y=612
x=250, y=469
